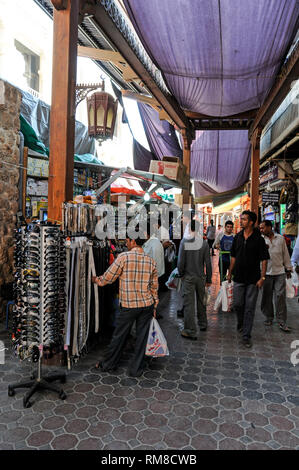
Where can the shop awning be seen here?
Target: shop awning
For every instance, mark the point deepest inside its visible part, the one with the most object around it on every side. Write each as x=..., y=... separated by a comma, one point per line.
x=230, y=205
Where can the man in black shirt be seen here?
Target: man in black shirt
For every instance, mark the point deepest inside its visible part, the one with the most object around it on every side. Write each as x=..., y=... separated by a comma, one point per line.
x=248, y=251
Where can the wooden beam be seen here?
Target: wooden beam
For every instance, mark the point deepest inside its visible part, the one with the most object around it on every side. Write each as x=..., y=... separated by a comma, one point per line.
x=246, y=115
x=167, y=101
x=62, y=122
x=255, y=171
x=141, y=98
x=280, y=89
x=100, y=54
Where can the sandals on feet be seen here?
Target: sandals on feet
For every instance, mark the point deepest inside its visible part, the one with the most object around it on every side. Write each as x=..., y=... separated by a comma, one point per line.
x=285, y=328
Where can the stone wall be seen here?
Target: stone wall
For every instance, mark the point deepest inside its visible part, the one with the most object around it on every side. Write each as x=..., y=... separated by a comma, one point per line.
x=9, y=176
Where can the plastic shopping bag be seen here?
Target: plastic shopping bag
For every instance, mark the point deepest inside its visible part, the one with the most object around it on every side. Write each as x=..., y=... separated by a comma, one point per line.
x=174, y=281
x=156, y=342
x=207, y=296
x=290, y=291
x=218, y=300
x=227, y=296
x=295, y=279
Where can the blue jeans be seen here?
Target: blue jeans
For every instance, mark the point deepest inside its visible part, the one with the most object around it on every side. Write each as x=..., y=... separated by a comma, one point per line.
x=245, y=297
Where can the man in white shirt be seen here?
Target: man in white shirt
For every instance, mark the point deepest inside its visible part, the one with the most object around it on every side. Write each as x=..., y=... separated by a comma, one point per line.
x=279, y=266
x=154, y=248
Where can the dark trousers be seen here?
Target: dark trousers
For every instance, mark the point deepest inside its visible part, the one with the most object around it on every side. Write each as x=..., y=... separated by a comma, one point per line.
x=123, y=326
x=225, y=266
x=211, y=242
x=245, y=297
x=275, y=285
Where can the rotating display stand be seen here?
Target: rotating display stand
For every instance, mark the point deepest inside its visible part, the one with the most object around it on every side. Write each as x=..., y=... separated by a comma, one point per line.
x=40, y=303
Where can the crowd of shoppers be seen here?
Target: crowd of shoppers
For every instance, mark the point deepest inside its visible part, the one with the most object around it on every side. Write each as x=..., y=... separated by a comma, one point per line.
x=255, y=259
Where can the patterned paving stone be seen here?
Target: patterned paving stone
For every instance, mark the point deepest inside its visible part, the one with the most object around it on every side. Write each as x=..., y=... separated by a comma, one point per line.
x=180, y=424
x=286, y=439
x=230, y=403
x=155, y=421
x=65, y=409
x=117, y=403
x=282, y=423
x=164, y=395
x=99, y=429
x=230, y=416
x=10, y=416
x=160, y=407
x=231, y=430
x=176, y=440
x=256, y=419
x=231, y=444
x=205, y=426
x=124, y=432
x=54, y=422
x=92, y=444
x=83, y=388
x=131, y=417
x=150, y=436
x=64, y=442
x=258, y=434
x=76, y=426
x=138, y=405
x=207, y=413
x=202, y=442
x=277, y=409
x=40, y=438
x=15, y=435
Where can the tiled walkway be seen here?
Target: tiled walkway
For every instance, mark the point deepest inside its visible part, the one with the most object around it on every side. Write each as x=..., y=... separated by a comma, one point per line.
x=208, y=394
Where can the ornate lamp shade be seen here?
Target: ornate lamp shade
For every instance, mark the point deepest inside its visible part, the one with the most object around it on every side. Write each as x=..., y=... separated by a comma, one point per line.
x=102, y=110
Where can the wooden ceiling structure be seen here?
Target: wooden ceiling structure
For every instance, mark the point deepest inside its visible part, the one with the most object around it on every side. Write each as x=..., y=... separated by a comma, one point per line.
x=102, y=32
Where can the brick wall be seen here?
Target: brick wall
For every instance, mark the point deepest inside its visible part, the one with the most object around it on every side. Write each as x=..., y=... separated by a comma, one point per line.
x=9, y=175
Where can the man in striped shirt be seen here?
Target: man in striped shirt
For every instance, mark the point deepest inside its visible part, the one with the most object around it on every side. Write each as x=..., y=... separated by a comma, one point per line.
x=138, y=297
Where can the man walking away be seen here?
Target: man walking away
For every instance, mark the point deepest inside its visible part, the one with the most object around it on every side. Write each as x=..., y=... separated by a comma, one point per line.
x=275, y=282
x=248, y=251
x=138, y=296
x=211, y=233
x=192, y=264
x=224, y=242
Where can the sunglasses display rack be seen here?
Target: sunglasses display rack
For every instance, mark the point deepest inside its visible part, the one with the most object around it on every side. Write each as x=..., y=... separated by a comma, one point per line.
x=40, y=305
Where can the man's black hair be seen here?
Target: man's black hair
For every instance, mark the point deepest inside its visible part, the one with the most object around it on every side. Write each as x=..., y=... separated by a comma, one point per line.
x=212, y=222
x=268, y=223
x=139, y=240
x=192, y=225
x=229, y=222
x=251, y=216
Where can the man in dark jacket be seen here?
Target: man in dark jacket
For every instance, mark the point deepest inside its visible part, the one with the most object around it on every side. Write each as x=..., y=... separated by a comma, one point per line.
x=248, y=251
x=193, y=260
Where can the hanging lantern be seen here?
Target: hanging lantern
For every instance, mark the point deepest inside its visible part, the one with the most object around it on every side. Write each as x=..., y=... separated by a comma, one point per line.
x=102, y=110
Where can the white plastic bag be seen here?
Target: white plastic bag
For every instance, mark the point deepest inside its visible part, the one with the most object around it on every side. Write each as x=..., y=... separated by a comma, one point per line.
x=295, y=279
x=218, y=300
x=290, y=291
x=174, y=282
x=207, y=296
x=156, y=342
x=227, y=296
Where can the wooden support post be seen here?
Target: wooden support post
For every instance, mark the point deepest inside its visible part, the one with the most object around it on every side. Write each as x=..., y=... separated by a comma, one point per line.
x=62, y=122
x=255, y=172
x=186, y=161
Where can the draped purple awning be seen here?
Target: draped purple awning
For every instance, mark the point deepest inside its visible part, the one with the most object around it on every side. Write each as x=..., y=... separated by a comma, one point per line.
x=218, y=57
x=161, y=135
x=220, y=161
x=141, y=157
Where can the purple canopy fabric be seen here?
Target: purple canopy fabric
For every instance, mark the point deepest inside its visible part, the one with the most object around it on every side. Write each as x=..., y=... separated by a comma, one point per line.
x=161, y=135
x=218, y=57
x=141, y=156
x=220, y=161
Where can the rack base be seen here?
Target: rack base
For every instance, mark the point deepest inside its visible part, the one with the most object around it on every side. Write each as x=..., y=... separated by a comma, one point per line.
x=36, y=385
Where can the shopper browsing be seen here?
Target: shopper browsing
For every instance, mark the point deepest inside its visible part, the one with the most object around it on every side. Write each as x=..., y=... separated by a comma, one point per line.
x=211, y=233
x=279, y=267
x=223, y=242
x=195, y=267
x=138, y=296
x=248, y=251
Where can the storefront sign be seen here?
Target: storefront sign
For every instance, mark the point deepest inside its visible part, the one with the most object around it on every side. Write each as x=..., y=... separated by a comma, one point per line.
x=269, y=175
x=272, y=196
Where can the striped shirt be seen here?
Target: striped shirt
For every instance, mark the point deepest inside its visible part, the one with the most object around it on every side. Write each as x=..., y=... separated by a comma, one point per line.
x=138, y=279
